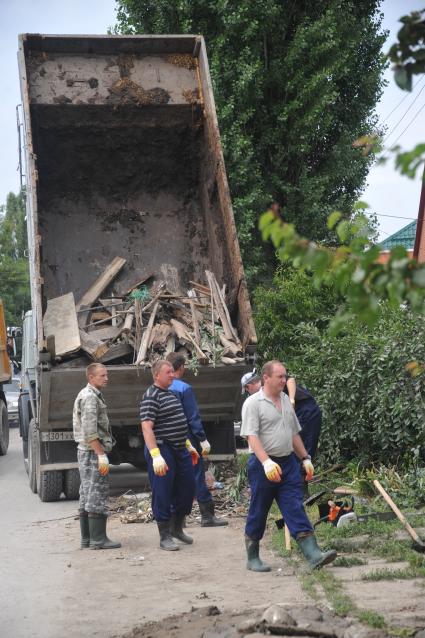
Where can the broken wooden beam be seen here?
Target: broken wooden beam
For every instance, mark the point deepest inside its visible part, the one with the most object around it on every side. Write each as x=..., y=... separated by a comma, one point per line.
x=146, y=336
x=94, y=347
x=101, y=283
x=116, y=351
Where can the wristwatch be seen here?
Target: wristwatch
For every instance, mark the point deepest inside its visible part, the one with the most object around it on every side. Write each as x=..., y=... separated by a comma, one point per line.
x=306, y=458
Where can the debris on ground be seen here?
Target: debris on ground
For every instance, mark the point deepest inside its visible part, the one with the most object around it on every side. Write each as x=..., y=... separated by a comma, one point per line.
x=136, y=508
x=148, y=321
x=278, y=620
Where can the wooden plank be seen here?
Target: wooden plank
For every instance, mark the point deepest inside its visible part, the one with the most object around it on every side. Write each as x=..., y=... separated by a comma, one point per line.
x=94, y=347
x=128, y=322
x=102, y=282
x=184, y=335
x=195, y=323
x=230, y=346
x=159, y=335
x=106, y=334
x=116, y=351
x=227, y=327
x=60, y=321
x=146, y=336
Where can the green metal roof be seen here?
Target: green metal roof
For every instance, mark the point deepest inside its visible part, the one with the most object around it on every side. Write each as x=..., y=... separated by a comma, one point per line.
x=403, y=237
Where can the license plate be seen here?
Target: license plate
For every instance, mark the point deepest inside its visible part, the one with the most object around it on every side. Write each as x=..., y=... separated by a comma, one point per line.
x=57, y=436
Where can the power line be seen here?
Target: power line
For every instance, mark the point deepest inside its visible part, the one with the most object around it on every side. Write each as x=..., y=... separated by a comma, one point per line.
x=406, y=95
x=403, y=116
x=395, y=216
x=411, y=122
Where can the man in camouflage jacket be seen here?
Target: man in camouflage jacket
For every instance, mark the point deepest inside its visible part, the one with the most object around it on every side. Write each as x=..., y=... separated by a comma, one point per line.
x=93, y=434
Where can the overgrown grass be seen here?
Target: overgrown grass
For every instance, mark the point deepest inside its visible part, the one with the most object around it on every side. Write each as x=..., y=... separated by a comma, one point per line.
x=407, y=573
x=348, y=561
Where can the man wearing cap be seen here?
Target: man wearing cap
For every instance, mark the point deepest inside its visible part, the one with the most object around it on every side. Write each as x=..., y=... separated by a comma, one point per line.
x=198, y=438
x=251, y=382
x=271, y=426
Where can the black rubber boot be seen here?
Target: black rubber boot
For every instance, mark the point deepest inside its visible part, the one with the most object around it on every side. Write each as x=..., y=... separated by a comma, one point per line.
x=98, y=538
x=312, y=552
x=176, y=529
x=166, y=540
x=84, y=528
x=254, y=562
x=207, y=515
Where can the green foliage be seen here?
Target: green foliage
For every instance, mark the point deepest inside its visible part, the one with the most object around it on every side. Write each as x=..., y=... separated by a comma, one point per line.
x=281, y=311
x=370, y=383
x=351, y=267
x=294, y=87
x=14, y=271
x=408, y=54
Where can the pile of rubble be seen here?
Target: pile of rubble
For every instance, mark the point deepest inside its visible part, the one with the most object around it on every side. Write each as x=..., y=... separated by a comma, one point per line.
x=144, y=324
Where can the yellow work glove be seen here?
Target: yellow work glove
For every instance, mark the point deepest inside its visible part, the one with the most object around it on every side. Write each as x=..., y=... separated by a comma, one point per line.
x=193, y=453
x=159, y=465
x=309, y=469
x=206, y=447
x=272, y=470
x=103, y=464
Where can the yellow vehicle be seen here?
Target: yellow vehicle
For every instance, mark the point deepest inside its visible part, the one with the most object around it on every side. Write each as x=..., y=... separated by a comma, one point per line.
x=5, y=374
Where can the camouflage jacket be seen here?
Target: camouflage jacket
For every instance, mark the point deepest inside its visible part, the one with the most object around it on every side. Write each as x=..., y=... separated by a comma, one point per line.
x=90, y=420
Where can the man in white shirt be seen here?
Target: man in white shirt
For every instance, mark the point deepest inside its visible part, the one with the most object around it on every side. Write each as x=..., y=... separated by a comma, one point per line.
x=272, y=429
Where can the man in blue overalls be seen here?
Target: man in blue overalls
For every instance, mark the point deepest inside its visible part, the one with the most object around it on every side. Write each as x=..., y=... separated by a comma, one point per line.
x=271, y=426
x=308, y=414
x=169, y=455
x=197, y=437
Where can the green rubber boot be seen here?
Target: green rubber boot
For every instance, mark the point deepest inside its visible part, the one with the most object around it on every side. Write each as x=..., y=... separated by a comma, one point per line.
x=176, y=529
x=312, y=552
x=254, y=562
x=165, y=539
x=84, y=528
x=98, y=538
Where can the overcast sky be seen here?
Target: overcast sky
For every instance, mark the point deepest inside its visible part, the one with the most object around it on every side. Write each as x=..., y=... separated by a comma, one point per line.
x=391, y=196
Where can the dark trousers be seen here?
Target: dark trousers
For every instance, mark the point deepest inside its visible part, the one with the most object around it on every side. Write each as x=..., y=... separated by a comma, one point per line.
x=203, y=495
x=175, y=491
x=288, y=494
x=310, y=418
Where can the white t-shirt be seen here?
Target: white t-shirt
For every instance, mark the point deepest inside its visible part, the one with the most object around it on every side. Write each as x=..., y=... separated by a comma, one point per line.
x=275, y=429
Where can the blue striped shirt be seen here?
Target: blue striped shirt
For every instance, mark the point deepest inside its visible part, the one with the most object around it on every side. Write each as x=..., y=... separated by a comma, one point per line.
x=165, y=410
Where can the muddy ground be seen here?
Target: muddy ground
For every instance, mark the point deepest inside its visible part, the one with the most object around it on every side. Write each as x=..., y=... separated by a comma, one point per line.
x=50, y=588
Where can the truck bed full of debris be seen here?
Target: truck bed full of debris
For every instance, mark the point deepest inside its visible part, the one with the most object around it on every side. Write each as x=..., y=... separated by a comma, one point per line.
x=143, y=325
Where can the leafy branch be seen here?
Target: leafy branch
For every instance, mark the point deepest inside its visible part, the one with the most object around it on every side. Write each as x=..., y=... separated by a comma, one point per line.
x=352, y=266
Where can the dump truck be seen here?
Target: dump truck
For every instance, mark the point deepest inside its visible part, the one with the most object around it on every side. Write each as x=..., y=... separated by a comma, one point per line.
x=123, y=159
x=5, y=376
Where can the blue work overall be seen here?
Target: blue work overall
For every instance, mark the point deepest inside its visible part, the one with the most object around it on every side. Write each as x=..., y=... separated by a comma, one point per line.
x=288, y=494
x=175, y=491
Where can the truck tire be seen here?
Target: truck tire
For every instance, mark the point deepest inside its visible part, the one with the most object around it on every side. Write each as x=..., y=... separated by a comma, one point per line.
x=71, y=484
x=32, y=456
x=50, y=486
x=4, y=429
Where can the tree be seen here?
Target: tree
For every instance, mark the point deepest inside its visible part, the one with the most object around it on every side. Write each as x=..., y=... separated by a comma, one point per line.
x=14, y=271
x=295, y=83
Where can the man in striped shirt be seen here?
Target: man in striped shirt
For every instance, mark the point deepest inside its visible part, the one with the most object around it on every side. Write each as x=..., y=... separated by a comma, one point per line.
x=169, y=455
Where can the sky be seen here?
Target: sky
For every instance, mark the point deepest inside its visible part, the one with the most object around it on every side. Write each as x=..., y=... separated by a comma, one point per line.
x=395, y=199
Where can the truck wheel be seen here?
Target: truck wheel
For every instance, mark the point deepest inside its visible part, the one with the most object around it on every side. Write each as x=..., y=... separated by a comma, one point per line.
x=71, y=484
x=32, y=456
x=50, y=486
x=4, y=429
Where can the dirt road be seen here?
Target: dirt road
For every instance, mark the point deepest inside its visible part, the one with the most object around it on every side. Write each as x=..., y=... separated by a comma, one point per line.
x=49, y=587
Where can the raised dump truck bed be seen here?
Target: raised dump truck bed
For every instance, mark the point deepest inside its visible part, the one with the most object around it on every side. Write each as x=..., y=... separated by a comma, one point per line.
x=123, y=159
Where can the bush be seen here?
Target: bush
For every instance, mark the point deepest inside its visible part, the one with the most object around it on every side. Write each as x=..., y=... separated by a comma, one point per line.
x=370, y=383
